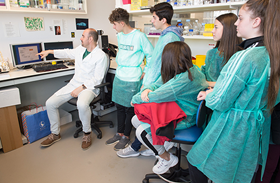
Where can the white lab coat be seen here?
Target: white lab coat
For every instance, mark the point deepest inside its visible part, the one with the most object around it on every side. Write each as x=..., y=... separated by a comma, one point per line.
x=89, y=71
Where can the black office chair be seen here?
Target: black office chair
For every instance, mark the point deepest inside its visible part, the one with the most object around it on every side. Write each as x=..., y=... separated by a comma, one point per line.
x=101, y=98
x=187, y=136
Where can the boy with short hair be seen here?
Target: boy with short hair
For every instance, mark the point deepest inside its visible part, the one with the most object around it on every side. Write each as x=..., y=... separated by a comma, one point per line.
x=133, y=47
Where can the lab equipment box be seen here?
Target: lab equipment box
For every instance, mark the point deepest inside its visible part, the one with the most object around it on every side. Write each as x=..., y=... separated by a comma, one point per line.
x=136, y=4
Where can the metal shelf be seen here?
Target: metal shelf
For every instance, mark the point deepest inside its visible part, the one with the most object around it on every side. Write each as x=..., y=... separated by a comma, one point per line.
x=187, y=37
x=194, y=9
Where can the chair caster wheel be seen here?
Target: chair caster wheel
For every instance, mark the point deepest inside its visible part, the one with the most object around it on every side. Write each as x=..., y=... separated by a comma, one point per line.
x=76, y=135
x=99, y=136
x=111, y=126
x=145, y=181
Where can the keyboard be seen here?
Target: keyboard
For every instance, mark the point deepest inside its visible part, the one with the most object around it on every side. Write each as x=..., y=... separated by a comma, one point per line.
x=48, y=67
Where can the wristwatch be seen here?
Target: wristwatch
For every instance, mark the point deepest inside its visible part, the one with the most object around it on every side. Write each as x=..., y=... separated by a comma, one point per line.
x=84, y=87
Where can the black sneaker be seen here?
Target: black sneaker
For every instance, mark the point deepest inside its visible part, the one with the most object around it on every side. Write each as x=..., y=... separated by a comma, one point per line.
x=123, y=143
x=114, y=139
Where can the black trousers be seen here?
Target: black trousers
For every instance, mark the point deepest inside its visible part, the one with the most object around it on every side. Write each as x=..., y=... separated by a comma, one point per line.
x=196, y=175
x=124, y=119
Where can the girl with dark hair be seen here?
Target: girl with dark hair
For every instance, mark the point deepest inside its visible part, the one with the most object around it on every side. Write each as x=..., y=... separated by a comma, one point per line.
x=224, y=33
x=179, y=82
x=237, y=137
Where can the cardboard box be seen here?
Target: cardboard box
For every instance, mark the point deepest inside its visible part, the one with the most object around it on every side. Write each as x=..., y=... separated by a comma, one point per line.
x=136, y=4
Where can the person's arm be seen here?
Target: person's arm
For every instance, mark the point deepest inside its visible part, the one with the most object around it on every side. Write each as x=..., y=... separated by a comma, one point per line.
x=154, y=67
x=43, y=54
x=147, y=49
x=211, y=84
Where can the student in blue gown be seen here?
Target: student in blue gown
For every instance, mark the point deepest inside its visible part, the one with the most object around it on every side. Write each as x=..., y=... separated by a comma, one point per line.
x=237, y=137
x=180, y=81
x=224, y=33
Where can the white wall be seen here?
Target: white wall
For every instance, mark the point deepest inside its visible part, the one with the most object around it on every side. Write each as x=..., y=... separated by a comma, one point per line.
x=98, y=13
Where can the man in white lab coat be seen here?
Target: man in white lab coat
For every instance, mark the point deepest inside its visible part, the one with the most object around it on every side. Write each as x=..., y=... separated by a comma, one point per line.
x=90, y=67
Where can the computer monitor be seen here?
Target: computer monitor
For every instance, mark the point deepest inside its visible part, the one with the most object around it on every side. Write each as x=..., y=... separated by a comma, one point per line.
x=55, y=46
x=25, y=54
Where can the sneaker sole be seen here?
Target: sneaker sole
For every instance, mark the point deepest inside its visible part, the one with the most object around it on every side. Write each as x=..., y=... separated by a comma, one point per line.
x=112, y=143
x=121, y=148
x=128, y=156
x=51, y=143
x=146, y=155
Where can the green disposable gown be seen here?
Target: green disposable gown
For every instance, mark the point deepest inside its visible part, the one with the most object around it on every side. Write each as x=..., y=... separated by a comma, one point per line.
x=237, y=135
x=133, y=47
x=179, y=89
x=213, y=65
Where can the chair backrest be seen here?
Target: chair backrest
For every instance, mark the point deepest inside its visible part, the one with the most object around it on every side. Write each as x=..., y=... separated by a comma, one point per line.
x=104, y=90
x=107, y=69
x=203, y=114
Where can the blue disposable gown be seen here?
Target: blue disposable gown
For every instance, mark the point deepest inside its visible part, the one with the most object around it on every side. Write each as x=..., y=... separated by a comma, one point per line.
x=170, y=34
x=133, y=47
x=238, y=132
x=213, y=65
x=179, y=89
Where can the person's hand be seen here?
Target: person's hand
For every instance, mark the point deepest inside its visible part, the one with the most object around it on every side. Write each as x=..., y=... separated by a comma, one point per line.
x=144, y=95
x=76, y=92
x=201, y=95
x=143, y=74
x=209, y=91
x=131, y=104
x=43, y=54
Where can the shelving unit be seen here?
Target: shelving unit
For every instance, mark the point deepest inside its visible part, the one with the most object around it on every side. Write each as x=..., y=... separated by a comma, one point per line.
x=195, y=9
x=7, y=8
x=186, y=37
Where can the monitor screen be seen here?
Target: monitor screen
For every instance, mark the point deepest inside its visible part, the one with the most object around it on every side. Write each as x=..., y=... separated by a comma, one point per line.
x=56, y=46
x=25, y=54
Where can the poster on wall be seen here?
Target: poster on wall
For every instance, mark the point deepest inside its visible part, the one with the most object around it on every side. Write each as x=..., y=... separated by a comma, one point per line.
x=34, y=23
x=81, y=23
x=2, y=2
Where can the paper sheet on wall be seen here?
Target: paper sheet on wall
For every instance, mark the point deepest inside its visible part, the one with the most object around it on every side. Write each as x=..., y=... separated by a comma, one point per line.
x=34, y=23
x=57, y=27
x=11, y=30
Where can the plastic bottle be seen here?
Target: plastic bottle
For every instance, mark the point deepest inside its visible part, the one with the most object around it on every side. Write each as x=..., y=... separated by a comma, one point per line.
x=191, y=2
x=178, y=22
x=182, y=2
x=80, y=4
x=190, y=32
x=181, y=26
x=187, y=27
x=202, y=28
x=49, y=4
x=196, y=28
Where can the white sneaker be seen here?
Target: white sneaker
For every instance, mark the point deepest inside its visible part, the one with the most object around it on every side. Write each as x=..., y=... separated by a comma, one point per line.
x=163, y=165
x=149, y=152
x=127, y=152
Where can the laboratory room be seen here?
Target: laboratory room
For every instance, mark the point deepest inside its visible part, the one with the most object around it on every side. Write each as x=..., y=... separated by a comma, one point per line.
x=139, y=91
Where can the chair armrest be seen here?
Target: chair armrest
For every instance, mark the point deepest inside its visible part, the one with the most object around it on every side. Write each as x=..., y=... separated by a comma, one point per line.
x=102, y=85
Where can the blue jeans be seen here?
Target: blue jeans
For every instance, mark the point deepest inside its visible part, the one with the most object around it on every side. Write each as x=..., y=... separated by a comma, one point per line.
x=136, y=145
